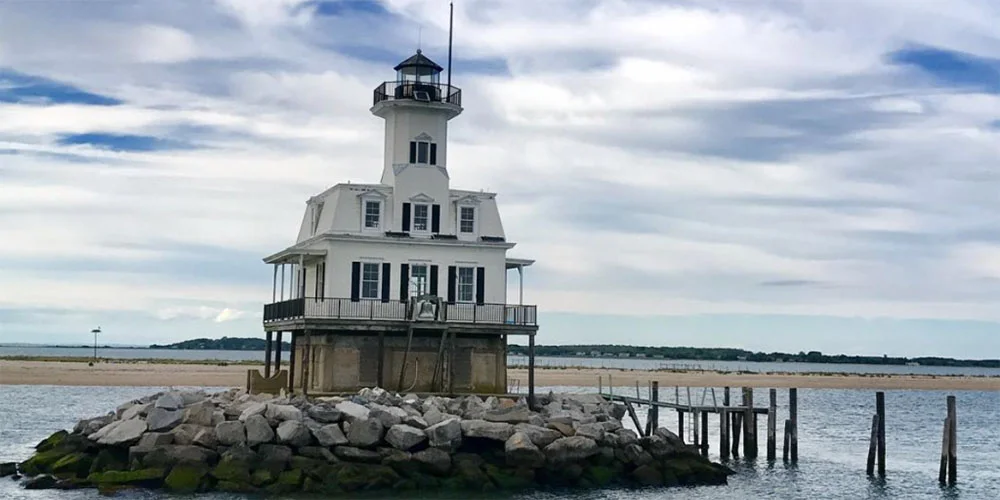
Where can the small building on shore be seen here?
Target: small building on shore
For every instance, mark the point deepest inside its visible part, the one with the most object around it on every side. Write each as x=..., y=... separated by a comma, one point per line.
x=401, y=283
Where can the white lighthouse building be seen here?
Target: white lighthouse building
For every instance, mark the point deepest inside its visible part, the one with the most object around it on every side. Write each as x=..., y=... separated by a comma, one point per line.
x=401, y=283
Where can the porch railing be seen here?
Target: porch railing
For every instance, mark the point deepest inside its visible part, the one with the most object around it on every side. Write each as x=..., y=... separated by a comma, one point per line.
x=396, y=310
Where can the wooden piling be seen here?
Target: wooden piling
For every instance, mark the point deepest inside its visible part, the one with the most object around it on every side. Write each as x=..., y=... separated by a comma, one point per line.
x=788, y=438
x=680, y=425
x=872, y=446
x=880, y=410
x=737, y=424
x=600, y=384
x=694, y=428
x=723, y=434
x=725, y=397
x=772, y=422
x=952, y=442
x=793, y=416
x=704, y=434
x=635, y=418
x=654, y=396
x=945, y=450
x=749, y=430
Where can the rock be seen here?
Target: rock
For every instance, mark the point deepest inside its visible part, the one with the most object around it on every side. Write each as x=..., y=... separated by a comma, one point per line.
x=232, y=470
x=434, y=417
x=626, y=437
x=564, y=429
x=151, y=440
x=404, y=437
x=445, y=435
x=274, y=455
x=648, y=475
x=294, y=432
x=186, y=433
x=231, y=433
x=330, y=435
x=253, y=409
x=658, y=447
x=593, y=431
x=8, y=469
x=521, y=452
x=434, y=461
x=74, y=464
x=127, y=432
x=318, y=453
x=171, y=454
x=571, y=449
x=388, y=415
x=351, y=411
x=539, y=436
x=44, y=482
x=324, y=414
x=199, y=414
x=672, y=439
x=353, y=454
x=611, y=426
x=160, y=419
x=635, y=455
x=512, y=415
x=136, y=410
x=92, y=425
x=415, y=421
x=276, y=414
x=488, y=430
x=365, y=433
x=218, y=417
x=206, y=438
x=170, y=401
x=186, y=478
x=258, y=431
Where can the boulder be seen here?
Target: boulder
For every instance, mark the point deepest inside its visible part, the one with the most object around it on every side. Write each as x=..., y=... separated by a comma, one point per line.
x=231, y=433
x=351, y=411
x=648, y=475
x=160, y=419
x=294, y=433
x=352, y=454
x=635, y=455
x=539, y=436
x=324, y=414
x=168, y=455
x=571, y=449
x=170, y=401
x=276, y=414
x=253, y=409
x=365, y=433
x=186, y=433
x=626, y=437
x=668, y=436
x=258, y=430
x=404, y=437
x=511, y=415
x=186, y=478
x=487, y=430
x=199, y=414
x=593, y=431
x=126, y=433
x=318, y=453
x=8, y=469
x=658, y=447
x=274, y=456
x=330, y=435
x=521, y=452
x=43, y=482
x=388, y=415
x=415, y=421
x=218, y=417
x=206, y=438
x=434, y=417
x=564, y=429
x=445, y=435
x=136, y=410
x=433, y=460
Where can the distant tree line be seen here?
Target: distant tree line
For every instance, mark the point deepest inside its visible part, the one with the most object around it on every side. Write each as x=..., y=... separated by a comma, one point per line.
x=729, y=354
x=223, y=344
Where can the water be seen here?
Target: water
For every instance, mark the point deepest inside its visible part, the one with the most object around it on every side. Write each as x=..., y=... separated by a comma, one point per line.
x=614, y=363
x=834, y=427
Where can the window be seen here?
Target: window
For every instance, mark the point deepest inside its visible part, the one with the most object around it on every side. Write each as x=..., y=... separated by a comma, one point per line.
x=369, y=281
x=467, y=220
x=317, y=211
x=418, y=280
x=320, y=280
x=420, y=217
x=423, y=152
x=466, y=284
x=372, y=214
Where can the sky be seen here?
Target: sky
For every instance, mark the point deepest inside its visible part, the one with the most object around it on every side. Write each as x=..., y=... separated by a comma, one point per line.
x=772, y=175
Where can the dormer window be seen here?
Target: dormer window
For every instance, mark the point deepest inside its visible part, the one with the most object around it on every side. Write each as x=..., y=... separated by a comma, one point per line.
x=421, y=216
x=373, y=214
x=317, y=212
x=467, y=220
x=423, y=152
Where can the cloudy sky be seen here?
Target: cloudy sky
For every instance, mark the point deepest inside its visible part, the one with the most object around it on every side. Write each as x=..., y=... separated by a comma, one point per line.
x=774, y=175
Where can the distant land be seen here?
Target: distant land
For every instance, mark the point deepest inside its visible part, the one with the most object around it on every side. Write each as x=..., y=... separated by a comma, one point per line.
x=223, y=344
x=728, y=354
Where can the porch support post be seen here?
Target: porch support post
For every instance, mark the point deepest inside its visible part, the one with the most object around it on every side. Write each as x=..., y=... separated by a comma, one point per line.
x=267, y=354
x=531, y=371
x=274, y=285
x=282, y=287
x=291, y=364
x=520, y=286
x=300, y=287
x=277, y=354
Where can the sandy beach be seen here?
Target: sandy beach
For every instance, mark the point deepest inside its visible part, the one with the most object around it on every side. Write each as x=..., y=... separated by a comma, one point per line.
x=122, y=373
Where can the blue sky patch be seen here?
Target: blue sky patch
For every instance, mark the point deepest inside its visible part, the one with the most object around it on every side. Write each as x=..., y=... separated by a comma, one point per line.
x=17, y=87
x=952, y=67
x=346, y=8
x=122, y=142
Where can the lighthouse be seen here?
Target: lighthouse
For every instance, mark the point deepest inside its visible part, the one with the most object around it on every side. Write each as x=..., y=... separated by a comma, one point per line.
x=403, y=283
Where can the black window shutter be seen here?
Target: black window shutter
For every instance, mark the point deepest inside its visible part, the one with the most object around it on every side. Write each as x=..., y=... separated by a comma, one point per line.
x=435, y=218
x=404, y=281
x=406, y=217
x=434, y=280
x=413, y=151
x=434, y=154
x=480, y=285
x=386, y=272
x=451, y=284
x=355, y=281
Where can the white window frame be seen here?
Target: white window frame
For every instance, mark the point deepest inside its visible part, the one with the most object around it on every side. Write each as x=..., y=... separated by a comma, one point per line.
x=317, y=212
x=475, y=219
x=471, y=285
x=418, y=287
x=427, y=218
x=378, y=279
x=364, y=215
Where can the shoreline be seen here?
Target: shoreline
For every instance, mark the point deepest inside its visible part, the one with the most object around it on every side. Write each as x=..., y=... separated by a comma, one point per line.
x=184, y=373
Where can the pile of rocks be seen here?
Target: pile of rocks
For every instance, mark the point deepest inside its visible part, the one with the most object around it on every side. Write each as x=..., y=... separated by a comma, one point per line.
x=237, y=442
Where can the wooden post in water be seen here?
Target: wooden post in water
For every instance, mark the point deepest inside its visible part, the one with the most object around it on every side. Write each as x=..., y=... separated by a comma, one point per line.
x=737, y=425
x=952, y=442
x=653, y=408
x=749, y=440
x=772, y=423
x=704, y=434
x=788, y=438
x=600, y=384
x=945, y=451
x=872, y=447
x=793, y=417
x=880, y=410
x=680, y=425
x=723, y=434
x=694, y=428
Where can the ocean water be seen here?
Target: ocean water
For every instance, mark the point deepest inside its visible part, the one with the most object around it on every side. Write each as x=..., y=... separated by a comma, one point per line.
x=624, y=363
x=834, y=427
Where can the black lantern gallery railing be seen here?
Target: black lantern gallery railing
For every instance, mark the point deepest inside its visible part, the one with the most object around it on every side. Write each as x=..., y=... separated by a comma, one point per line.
x=418, y=91
x=396, y=310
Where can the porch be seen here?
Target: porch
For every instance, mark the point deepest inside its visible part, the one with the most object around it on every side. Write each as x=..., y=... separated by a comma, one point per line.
x=396, y=310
